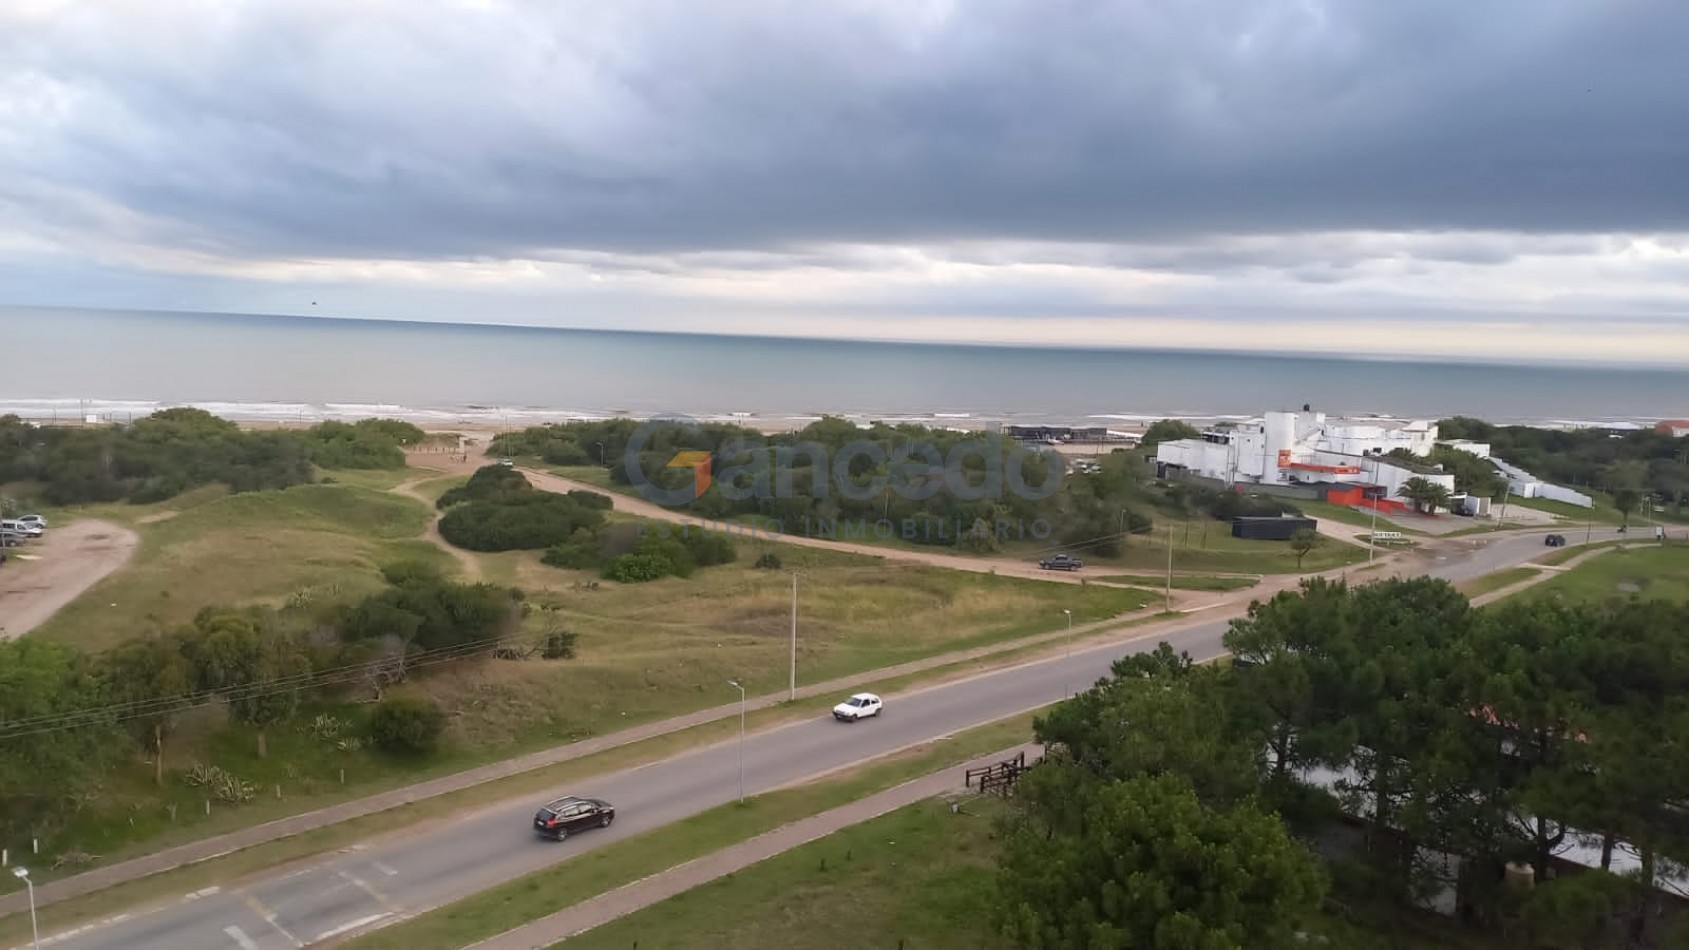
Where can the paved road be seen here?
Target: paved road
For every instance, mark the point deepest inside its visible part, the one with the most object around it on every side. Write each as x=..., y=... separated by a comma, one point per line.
x=388, y=879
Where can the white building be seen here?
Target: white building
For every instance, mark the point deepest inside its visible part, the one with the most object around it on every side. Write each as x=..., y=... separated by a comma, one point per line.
x=1526, y=485
x=1291, y=448
x=1480, y=449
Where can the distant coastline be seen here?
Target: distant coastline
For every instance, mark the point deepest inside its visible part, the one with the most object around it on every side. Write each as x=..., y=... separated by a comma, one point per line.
x=118, y=365
x=483, y=418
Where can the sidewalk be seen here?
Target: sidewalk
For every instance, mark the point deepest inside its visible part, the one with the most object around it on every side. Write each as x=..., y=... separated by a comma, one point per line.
x=600, y=910
x=215, y=847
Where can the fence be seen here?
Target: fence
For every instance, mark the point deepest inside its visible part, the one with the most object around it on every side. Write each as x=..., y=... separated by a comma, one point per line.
x=998, y=779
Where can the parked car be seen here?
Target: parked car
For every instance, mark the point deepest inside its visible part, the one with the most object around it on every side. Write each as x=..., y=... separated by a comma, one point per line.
x=1061, y=562
x=560, y=818
x=33, y=519
x=21, y=526
x=12, y=539
x=507, y=462
x=1555, y=540
x=860, y=706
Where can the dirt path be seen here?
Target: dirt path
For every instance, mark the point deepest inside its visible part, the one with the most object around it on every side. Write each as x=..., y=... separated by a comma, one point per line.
x=1011, y=567
x=45, y=574
x=446, y=464
x=470, y=563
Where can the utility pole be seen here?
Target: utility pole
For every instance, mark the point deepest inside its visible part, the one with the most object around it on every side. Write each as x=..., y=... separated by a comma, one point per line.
x=1372, y=536
x=736, y=685
x=1070, y=690
x=794, y=685
x=1169, y=567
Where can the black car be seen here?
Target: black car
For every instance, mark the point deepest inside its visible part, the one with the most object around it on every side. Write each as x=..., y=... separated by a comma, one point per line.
x=565, y=816
x=1061, y=562
x=1555, y=540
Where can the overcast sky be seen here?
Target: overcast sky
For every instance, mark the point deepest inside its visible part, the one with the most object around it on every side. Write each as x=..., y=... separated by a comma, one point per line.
x=1372, y=176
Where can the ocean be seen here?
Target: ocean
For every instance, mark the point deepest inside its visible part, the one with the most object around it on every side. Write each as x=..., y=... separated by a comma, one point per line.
x=66, y=364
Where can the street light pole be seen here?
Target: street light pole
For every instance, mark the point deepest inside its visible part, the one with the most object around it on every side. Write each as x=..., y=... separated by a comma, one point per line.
x=1070, y=691
x=1169, y=606
x=794, y=684
x=741, y=689
x=1372, y=535
x=22, y=874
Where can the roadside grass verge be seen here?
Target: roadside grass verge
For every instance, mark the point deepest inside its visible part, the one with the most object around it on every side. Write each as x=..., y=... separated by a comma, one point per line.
x=604, y=869
x=919, y=876
x=1496, y=580
x=1208, y=582
x=1653, y=573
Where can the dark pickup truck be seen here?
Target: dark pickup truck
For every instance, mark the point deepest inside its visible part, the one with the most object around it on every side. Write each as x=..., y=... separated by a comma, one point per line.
x=1061, y=562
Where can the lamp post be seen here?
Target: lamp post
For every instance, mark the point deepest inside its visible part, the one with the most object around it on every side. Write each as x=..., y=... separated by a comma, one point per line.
x=35, y=932
x=1169, y=606
x=1069, y=613
x=1372, y=533
x=794, y=682
x=600, y=453
x=741, y=689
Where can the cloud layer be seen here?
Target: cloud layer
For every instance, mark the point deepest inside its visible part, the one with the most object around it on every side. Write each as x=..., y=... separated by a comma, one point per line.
x=1149, y=163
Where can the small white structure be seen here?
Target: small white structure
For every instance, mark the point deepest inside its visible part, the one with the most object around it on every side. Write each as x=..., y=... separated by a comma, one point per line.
x=1290, y=448
x=1526, y=485
x=1480, y=449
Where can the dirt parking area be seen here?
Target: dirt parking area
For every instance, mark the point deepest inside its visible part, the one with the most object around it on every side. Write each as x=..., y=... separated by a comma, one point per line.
x=45, y=574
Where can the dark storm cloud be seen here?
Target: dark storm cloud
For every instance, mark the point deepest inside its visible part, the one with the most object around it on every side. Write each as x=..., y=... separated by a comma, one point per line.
x=407, y=131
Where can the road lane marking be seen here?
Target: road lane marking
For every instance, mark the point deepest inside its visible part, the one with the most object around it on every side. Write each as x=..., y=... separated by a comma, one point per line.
x=85, y=928
x=239, y=936
x=385, y=868
x=269, y=917
x=362, y=885
x=351, y=926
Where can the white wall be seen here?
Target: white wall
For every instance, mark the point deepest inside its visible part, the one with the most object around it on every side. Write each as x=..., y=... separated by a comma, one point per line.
x=1556, y=493
x=1480, y=449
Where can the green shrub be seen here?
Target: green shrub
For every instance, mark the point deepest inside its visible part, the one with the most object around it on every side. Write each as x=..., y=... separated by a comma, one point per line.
x=637, y=568
x=768, y=562
x=520, y=521
x=488, y=483
x=577, y=554
x=403, y=726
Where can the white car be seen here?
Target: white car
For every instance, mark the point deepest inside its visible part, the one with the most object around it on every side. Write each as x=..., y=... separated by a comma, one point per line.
x=36, y=520
x=29, y=529
x=860, y=706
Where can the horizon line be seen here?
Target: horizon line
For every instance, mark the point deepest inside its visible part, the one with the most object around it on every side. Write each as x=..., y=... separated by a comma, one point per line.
x=1437, y=359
